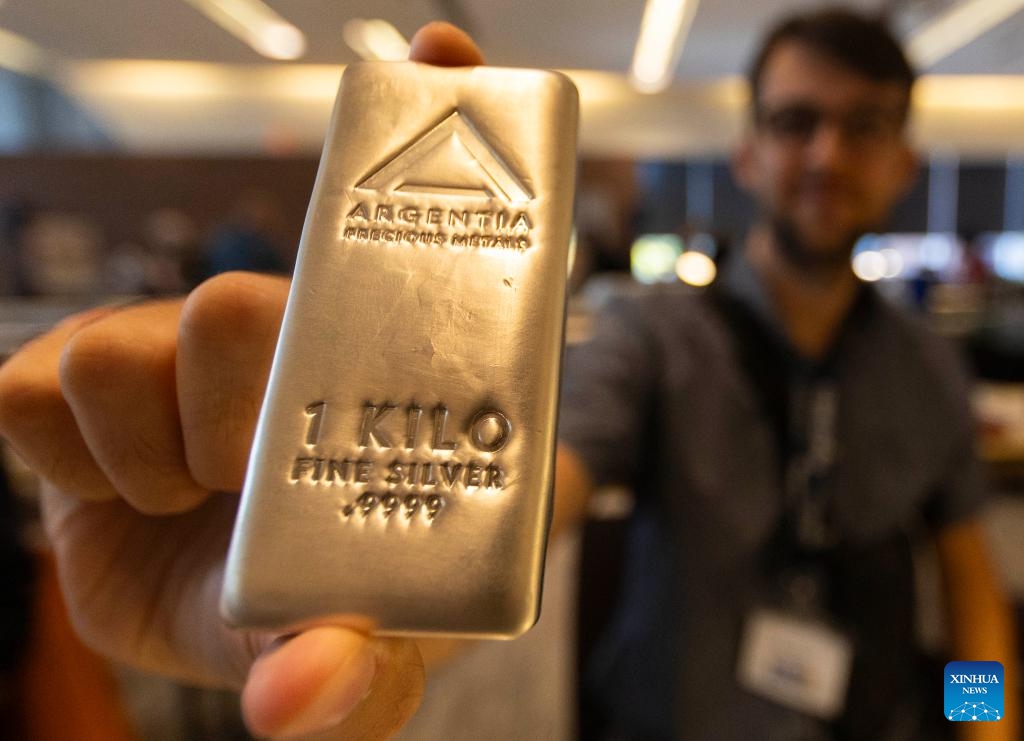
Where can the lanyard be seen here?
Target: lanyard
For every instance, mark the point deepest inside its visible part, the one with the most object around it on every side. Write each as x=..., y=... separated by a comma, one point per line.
x=800, y=403
x=809, y=493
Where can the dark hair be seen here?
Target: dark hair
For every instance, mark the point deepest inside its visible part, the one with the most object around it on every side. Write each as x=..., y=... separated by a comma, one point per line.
x=862, y=44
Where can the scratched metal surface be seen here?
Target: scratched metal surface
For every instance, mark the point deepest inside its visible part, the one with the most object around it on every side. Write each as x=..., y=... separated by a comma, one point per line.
x=403, y=461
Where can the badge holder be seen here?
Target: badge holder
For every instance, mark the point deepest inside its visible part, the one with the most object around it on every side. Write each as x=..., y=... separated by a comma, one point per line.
x=792, y=653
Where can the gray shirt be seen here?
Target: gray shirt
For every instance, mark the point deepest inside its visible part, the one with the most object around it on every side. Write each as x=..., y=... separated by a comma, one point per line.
x=662, y=398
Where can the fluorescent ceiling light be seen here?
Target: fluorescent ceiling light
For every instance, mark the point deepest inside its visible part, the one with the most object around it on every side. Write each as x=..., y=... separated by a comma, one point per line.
x=961, y=94
x=957, y=27
x=375, y=38
x=663, y=32
x=18, y=54
x=204, y=83
x=257, y=25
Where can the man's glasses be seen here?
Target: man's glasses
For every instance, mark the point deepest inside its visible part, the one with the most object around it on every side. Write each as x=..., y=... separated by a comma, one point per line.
x=798, y=123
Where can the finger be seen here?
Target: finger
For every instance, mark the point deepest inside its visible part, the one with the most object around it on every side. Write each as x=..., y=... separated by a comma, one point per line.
x=145, y=590
x=229, y=329
x=117, y=375
x=37, y=421
x=334, y=678
x=444, y=45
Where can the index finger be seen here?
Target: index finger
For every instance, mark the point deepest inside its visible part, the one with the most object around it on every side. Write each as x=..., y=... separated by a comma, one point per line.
x=35, y=417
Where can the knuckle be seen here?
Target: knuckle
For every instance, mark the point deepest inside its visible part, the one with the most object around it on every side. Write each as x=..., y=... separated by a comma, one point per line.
x=20, y=393
x=27, y=394
x=138, y=450
x=232, y=303
x=96, y=354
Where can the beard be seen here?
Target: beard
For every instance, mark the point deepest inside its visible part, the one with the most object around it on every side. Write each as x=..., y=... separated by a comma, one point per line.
x=797, y=252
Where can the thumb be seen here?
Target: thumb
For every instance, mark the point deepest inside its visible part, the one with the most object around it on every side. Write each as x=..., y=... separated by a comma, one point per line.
x=444, y=45
x=337, y=679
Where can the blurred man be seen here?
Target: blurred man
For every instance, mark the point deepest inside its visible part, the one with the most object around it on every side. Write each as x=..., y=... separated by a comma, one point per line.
x=783, y=432
x=790, y=437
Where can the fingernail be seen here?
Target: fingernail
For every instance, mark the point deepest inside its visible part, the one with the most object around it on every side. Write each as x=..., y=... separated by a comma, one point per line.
x=312, y=682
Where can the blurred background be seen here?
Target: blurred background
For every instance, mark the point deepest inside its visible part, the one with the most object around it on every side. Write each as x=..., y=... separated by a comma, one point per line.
x=148, y=144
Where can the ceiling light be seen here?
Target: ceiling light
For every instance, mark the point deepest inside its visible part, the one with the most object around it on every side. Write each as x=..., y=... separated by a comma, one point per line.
x=375, y=38
x=257, y=25
x=127, y=80
x=869, y=266
x=18, y=54
x=663, y=32
x=946, y=94
x=695, y=268
x=957, y=27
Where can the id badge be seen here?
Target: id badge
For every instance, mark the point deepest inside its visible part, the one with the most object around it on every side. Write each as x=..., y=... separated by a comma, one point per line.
x=796, y=661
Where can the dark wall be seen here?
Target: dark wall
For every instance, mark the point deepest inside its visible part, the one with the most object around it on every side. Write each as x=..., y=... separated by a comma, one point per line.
x=982, y=198
x=911, y=214
x=118, y=193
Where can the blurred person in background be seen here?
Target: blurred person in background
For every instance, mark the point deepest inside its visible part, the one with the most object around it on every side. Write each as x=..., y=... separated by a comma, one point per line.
x=792, y=439
x=789, y=437
x=246, y=240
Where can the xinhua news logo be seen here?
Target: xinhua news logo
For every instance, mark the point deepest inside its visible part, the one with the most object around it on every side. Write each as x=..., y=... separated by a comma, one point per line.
x=974, y=690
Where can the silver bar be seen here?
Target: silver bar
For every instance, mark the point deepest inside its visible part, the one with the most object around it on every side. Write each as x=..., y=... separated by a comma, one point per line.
x=404, y=457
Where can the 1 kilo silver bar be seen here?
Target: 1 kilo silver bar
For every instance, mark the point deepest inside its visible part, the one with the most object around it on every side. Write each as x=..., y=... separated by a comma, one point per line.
x=404, y=456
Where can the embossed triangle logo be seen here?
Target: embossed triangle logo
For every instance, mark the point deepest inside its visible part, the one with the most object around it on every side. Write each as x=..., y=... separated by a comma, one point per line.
x=450, y=159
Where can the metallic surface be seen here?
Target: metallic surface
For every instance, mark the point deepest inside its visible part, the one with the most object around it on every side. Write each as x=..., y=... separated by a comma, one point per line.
x=404, y=457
